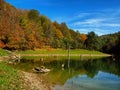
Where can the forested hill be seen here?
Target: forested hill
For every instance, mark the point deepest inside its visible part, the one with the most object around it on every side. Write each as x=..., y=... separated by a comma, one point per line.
x=28, y=29
x=111, y=43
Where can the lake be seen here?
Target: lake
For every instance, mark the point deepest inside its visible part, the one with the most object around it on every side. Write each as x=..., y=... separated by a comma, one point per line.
x=77, y=74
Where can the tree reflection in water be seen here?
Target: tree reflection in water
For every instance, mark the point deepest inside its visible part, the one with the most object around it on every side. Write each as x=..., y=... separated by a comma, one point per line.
x=88, y=68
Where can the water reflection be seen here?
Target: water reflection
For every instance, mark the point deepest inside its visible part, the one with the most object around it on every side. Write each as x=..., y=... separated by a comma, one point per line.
x=102, y=81
x=103, y=73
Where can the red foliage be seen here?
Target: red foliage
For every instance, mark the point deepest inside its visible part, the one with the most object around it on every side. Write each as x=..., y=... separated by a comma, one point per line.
x=2, y=45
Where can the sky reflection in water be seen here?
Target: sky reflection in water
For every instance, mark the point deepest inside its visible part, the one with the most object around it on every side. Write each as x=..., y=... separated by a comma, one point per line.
x=102, y=81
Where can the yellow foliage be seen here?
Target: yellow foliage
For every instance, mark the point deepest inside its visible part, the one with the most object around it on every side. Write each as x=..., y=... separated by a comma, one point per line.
x=83, y=37
x=59, y=34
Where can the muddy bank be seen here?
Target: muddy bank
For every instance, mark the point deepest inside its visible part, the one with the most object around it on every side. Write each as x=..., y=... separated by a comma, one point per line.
x=34, y=82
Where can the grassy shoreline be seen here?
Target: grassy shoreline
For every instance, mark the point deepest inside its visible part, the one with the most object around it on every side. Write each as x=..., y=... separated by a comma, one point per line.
x=55, y=52
x=58, y=51
x=3, y=52
x=49, y=54
x=10, y=78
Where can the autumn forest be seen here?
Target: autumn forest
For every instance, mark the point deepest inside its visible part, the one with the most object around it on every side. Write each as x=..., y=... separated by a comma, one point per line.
x=28, y=30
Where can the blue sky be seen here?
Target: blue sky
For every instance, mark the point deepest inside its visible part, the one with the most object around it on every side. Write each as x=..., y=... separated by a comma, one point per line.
x=100, y=16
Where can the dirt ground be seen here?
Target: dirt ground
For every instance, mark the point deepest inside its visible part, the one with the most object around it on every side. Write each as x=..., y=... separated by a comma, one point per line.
x=34, y=82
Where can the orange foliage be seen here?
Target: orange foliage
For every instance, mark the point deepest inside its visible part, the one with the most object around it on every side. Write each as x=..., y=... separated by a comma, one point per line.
x=2, y=45
x=26, y=29
x=83, y=37
x=59, y=34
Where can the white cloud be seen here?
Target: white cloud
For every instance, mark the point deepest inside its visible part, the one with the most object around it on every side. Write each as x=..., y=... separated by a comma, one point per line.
x=112, y=24
x=95, y=23
x=107, y=21
x=81, y=15
x=88, y=22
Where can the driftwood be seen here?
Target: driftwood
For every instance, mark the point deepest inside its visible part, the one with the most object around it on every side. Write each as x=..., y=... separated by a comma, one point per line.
x=14, y=57
x=41, y=69
x=11, y=58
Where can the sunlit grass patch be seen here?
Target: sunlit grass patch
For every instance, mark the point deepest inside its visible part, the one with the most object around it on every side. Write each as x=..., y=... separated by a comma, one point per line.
x=9, y=78
x=51, y=58
x=3, y=52
x=59, y=51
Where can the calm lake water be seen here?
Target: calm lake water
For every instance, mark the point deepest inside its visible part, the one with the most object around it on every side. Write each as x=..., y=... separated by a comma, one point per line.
x=86, y=74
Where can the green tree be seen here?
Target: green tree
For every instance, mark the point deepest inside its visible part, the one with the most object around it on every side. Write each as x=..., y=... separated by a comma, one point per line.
x=49, y=32
x=92, y=41
x=1, y=4
x=23, y=22
x=67, y=37
x=33, y=15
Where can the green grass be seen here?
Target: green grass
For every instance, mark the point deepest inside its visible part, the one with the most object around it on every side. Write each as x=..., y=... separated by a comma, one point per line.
x=59, y=51
x=51, y=58
x=9, y=78
x=3, y=52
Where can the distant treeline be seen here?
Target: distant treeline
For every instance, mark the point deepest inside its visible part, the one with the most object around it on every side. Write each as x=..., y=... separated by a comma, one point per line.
x=28, y=29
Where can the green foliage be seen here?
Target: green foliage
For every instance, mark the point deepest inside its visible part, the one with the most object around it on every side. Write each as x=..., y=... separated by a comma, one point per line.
x=1, y=4
x=92, y=41
x=24, y=22
x=33, y=15
x=110, y=43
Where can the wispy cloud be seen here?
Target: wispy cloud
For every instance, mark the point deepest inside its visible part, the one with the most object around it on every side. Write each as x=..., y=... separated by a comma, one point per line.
x=88, y=22
x=82, y=15
x=102, y=22
x=95, y=23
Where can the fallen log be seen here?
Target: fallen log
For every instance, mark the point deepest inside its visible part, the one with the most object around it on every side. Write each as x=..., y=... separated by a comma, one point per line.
x=41, y=69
